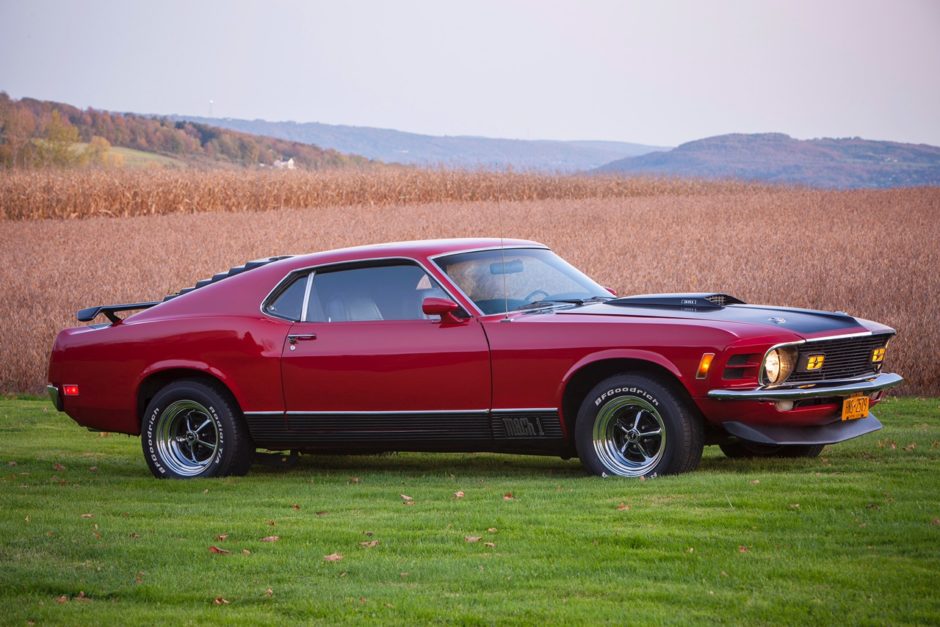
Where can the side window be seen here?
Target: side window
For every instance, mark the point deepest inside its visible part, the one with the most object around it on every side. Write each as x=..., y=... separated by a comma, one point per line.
x=290, y=302
x=385, y=292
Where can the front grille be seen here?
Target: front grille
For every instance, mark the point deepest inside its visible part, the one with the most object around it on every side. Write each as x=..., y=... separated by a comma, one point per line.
x=845, y=358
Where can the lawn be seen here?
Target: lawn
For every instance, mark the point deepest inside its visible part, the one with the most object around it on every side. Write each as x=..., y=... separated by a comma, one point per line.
x=89, y=537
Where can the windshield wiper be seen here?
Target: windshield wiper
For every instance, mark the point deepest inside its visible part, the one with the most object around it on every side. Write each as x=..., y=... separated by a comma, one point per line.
x=550, y=302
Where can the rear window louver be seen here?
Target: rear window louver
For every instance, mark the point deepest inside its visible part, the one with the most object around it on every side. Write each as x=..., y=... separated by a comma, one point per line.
x=245, y=267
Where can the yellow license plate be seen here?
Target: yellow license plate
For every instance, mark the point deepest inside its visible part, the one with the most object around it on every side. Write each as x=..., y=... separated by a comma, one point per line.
x=854, y=407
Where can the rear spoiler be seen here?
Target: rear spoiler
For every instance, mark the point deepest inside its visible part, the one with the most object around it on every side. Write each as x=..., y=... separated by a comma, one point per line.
x=89, y=314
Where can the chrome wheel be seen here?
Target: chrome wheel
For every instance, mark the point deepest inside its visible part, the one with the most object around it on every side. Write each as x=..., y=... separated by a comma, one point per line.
x=629, y=436
x=187, y=437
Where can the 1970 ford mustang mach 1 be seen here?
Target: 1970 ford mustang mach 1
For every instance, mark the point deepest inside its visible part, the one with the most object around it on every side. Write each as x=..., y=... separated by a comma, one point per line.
x=463, y=345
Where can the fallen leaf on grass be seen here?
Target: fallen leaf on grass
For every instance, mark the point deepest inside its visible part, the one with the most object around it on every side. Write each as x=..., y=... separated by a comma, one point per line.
x=62, y=599
x=755, y=482
x=370, y=544
x=295, y=507
x=472, y=538
x=206, y=491
x=270, y=538
x=623, y=507
x=508, y=496
x=58, y=467
x=134, y=536
x=491, y=530
x=271, y=523
x=458, y=494
x=354, y=480
x=910, y=447
x=139, y=578
x=935, y=522
x=88, y=515
x=222, y=537
x=215, y=549
x=368, y=533
x=406, y=498
x=27, y=519
x=220, y=601
x=11, y=463
x=691, y=549
x=742, y=549
x=103, y=434
x=794, y=506
x=333, y=557
x=491, y=545
x=246, y=552
x=269, y=593
x=81, y=598
x=321, y=513
x=92, y=469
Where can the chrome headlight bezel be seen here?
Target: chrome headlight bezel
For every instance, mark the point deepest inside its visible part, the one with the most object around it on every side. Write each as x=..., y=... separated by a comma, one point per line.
x=779, y=361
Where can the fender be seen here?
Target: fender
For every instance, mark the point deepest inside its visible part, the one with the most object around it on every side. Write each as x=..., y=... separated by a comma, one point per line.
x=187, y=364
x=617, y=353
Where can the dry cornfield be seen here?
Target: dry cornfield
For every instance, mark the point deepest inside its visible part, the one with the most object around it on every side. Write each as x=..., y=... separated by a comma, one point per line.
x=27, y=195
x=871, y=253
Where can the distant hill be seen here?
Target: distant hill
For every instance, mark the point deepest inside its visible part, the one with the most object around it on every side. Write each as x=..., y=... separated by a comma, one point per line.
x=25, y=127
x=778, y=158
x=451, y=151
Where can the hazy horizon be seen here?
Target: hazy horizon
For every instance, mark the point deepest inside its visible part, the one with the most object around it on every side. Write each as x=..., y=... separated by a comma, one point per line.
x=651, y=73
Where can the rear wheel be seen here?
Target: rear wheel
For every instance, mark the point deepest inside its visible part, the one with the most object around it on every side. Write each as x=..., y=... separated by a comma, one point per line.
x=191, y=429
x=742, y=449
x=635, y=426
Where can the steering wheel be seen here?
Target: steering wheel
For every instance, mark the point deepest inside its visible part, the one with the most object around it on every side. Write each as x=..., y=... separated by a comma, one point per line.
x=533, y=293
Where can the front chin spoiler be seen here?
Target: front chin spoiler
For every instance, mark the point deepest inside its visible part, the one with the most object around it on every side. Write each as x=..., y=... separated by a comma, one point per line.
x=782, y=435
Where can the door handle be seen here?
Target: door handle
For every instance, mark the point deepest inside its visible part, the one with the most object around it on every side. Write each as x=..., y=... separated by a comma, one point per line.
x=300, y=337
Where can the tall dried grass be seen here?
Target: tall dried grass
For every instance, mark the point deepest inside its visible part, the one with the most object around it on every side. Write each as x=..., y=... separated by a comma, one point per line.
x=871, y=253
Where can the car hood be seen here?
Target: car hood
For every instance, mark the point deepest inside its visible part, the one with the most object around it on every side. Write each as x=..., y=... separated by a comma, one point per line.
x=804, y=322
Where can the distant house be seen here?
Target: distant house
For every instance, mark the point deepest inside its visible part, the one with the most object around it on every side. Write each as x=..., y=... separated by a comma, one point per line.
x=284, y=165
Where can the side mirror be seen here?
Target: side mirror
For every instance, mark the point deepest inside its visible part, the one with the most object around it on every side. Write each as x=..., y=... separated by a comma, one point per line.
x=443, y=307
x=611, y=290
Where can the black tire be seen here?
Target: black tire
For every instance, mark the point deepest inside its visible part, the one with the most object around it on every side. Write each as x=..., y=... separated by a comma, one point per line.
x=616, y=429
x=193, y=429
x=738, y=449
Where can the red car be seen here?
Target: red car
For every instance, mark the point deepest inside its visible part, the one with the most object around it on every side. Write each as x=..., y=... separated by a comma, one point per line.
x=463, y=345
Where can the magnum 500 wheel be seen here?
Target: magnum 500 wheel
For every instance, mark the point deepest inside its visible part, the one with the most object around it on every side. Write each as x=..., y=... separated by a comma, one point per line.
x=635, y=426
x=191, y=429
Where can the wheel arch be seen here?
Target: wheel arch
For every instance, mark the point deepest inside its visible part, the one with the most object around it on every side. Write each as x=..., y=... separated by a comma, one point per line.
x=590, y=371
x=156, y=379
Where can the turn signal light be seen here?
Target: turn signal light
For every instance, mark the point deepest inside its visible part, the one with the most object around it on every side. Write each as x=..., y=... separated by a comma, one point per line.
x=70, y=390
x=704, y=365
x=815, y=362
x=878, y=354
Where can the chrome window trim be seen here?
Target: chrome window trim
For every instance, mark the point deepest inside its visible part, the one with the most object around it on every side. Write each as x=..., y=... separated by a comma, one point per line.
x=314, y=268
x=306, y=303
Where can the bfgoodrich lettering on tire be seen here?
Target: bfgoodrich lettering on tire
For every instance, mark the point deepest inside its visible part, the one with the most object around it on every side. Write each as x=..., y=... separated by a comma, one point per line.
x=192, y=429
x=636, y=426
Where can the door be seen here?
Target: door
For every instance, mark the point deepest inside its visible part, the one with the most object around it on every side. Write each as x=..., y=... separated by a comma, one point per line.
x=363, y=365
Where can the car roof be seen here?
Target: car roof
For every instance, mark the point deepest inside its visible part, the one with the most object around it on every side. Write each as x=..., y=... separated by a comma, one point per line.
x=417, y=249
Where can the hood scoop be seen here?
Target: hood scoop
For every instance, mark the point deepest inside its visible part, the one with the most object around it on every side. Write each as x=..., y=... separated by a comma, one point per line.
x=695, y=301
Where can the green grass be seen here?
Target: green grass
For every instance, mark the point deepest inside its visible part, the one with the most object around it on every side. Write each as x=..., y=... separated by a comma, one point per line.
x=852, y=537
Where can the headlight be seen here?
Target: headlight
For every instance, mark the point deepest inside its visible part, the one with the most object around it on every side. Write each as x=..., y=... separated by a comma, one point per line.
x=778, y=364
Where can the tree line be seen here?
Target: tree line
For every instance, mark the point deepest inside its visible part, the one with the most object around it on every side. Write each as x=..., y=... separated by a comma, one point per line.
x=37, y=133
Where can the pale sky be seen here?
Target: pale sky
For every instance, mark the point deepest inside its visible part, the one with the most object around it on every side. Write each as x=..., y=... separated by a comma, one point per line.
x=656, y=72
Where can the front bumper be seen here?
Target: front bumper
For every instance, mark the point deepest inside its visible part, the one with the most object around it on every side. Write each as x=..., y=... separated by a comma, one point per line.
x=815, y=390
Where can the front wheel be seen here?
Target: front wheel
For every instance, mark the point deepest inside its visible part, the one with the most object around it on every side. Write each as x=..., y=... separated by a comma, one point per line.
x=635, y=426
x=191, y=429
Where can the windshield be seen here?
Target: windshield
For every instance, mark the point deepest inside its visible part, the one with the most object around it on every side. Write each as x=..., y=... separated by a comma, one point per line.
x=513, y=279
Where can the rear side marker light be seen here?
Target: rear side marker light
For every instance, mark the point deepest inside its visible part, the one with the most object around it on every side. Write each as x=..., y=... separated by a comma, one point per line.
x=70, y=390
x=704, y=365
